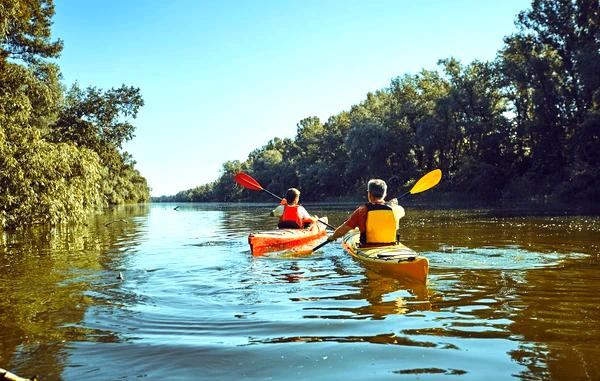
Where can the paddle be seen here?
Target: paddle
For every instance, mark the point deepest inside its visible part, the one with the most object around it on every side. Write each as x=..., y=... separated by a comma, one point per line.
x=249, y=182
x=428, y=181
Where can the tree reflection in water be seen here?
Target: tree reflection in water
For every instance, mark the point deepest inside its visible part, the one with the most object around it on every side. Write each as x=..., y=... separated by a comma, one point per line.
x=51, y=277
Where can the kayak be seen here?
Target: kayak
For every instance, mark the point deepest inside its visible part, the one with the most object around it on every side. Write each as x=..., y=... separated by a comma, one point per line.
x=397, y=260
x=281, y=239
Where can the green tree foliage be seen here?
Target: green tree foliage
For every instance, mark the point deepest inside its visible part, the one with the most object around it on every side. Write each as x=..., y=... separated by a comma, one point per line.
x=416, y=114
x=550, y=70
x=25, y=30
x=99, y=120
x=94, y=118
x=40, y=181
x=54, y=167
x=526, y=124
x=479, y=156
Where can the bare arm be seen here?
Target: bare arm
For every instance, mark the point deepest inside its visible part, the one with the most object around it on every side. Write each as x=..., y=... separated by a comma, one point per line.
x=339, y=232
x=277, y=212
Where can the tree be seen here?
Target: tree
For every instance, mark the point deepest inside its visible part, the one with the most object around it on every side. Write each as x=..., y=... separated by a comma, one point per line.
x=416, y=115
x=550, y=70
x=60, y=156
x=98, y=119
x=225, y=189
x=25, y=31
x=528, y=119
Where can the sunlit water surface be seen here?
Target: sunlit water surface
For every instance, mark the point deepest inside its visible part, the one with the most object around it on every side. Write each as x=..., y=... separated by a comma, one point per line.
x=511, y=295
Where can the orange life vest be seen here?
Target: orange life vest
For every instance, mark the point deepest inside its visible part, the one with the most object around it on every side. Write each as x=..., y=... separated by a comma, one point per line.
x=290, y=219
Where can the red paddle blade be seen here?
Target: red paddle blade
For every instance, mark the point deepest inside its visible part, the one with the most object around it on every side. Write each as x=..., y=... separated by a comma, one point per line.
x=247, y=181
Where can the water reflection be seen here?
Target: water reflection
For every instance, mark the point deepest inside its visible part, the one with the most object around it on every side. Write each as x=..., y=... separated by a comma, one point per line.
x=509, y=296
x=49, y=280
x=558, y=323
x=383, y=296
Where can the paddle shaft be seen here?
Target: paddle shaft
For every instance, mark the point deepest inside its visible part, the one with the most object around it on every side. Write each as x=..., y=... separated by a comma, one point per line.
x=310, y=251
x=402, y=196
x=326, y=242
x=272, y=194
x=430, y=180
x=323, y=222
x=320, y=246
x=249, y=182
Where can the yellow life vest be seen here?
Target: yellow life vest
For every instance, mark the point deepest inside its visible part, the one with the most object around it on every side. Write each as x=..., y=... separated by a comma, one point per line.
x=381, y=225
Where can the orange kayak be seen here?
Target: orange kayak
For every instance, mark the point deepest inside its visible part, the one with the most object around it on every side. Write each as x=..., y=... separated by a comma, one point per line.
x=282, y=239
x=397, y=261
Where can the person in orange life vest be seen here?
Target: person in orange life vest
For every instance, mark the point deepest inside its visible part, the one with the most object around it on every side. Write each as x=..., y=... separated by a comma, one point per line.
x=377, y=220
x=291, y=215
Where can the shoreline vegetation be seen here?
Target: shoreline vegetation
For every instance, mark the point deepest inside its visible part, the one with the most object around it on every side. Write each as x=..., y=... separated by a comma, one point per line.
x=61, y=154
x=446, y=201
x=525, y=126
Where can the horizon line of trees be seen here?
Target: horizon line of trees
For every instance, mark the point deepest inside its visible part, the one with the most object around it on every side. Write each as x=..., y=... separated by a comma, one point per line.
x=526, y=124
x=60, y=149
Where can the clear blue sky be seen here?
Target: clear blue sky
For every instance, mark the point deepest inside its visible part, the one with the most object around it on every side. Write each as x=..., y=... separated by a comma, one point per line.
x=221, y=78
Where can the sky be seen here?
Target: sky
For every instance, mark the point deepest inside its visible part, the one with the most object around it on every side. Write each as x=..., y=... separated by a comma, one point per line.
x=221, y=78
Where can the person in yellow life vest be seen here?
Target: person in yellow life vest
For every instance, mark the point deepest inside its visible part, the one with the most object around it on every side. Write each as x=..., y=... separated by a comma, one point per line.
x=291, y=214
x=377, y=220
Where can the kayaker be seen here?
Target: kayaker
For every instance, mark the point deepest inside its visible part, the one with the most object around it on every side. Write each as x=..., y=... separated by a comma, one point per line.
x=291, y=214
x=377, y=220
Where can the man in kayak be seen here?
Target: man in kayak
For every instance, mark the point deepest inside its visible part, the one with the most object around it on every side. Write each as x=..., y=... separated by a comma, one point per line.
x=377, y=220
x=291, y=214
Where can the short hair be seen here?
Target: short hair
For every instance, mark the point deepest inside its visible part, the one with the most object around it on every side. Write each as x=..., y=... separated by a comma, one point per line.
x=377, y=188
x=291, y=195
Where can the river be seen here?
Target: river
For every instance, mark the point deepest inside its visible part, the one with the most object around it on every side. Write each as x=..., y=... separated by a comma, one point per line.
x=171, y=292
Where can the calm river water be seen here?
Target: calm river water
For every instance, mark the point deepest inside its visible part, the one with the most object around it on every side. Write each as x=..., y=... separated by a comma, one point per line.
x=510, y=295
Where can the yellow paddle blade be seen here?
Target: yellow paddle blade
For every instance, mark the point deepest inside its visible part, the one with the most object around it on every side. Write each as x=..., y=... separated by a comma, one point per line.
x=428, y=181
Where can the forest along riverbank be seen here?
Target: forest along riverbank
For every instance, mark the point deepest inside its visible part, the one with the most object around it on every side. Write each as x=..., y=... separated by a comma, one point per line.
x=508, y=295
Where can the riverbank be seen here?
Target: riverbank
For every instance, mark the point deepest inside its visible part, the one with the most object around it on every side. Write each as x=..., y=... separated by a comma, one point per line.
x=443, y=201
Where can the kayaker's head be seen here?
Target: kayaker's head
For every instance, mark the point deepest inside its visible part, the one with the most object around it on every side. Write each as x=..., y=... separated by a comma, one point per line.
x=377, y=190
x=292, y=196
